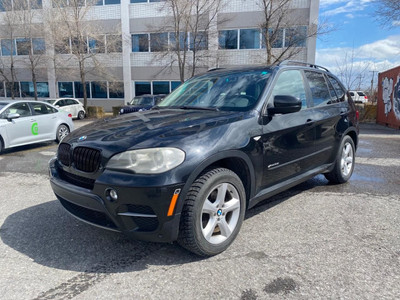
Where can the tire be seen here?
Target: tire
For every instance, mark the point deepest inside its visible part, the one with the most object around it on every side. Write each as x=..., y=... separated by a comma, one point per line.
x=344, y=164
x=210, y=223
x=81, y=115
x=62, y=132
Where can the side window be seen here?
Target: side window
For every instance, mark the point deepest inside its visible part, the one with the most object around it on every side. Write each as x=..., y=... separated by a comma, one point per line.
x=341, y=94
x=332, y=92
x=319, y=89
x=19, y=108
x=61, y=103
x=69, y=102
x=42, y=109
x=291, y=83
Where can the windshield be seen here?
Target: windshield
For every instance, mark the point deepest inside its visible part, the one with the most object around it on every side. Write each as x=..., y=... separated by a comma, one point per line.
x=50, y=101
x=2, y=105
x=234, y=91
x=142, y=100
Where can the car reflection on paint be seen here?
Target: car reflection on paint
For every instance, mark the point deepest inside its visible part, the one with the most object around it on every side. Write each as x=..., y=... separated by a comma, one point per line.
x=28, y=122
x=142, y=103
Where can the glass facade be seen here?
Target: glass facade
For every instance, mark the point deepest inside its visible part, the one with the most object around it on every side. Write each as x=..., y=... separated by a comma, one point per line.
x=142, y=87
x=158, y=42
x=99, y=89
x=160, y=87
x=27, y=89
x=65, y=89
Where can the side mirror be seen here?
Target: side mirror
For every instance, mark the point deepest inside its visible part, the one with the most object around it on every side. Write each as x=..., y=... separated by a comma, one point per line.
x=11, y=117
x=284, y=104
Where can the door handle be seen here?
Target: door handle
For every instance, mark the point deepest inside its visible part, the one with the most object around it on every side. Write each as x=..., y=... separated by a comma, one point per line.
x=309, y=122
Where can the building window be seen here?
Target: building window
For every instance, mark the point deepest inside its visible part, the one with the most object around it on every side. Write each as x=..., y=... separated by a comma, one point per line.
x=79, y=89
x=199, y=41
x=62, y=46
x=228, y=39
x=138, y=1
x=114, y=43
x=65, y=89
x=249, y=39
x=23, y=46
x=142, y=87
x=99, y=89
x=160, y=87
x=296, y=37
x=175, y=84
x=38, y=45
x=173, y=42
x=14, y=86
x=140, y=42
x=8, y=47
x=96, y=45
x=116, y=90
x=158, y=42
x=2, y=91
x=27, y=89
x=276, y=40
x=111, y=2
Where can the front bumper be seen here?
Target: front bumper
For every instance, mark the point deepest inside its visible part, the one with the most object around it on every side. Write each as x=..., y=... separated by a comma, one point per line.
x=139, y=212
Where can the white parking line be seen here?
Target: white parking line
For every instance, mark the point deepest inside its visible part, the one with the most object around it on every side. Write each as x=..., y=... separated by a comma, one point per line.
x=48, y=153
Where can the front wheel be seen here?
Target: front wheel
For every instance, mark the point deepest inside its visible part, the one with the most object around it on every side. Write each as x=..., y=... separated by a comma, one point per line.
x=62, y=132
x=344, y=164
x=213, y=212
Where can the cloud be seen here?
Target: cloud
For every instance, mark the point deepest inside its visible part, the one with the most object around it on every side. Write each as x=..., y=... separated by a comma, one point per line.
x=335, y=7
x=378, y=56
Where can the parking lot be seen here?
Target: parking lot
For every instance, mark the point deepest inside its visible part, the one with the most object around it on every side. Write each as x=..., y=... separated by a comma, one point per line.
x=315, y=241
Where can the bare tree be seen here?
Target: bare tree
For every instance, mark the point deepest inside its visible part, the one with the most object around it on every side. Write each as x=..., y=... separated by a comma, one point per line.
x=29, y=43
x=188, y=32
x=82, y=39
x=8, y=30
x=277, y=17
x=388, y=11
x=351, y=73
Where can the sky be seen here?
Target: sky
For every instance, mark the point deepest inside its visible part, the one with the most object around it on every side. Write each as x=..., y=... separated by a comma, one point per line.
x=355, y=31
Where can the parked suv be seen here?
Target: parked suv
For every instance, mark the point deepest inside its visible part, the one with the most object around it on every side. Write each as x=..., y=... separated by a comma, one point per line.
x=187, y=169
x=358, y=96
x=141, y=103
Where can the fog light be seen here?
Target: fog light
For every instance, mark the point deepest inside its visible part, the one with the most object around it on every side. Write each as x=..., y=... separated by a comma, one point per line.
x=111, y=195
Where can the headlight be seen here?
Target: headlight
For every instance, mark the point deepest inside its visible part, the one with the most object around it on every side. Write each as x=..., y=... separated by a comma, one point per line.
x=147, y=161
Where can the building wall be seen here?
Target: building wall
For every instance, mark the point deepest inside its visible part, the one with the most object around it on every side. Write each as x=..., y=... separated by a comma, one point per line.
x=132, y=67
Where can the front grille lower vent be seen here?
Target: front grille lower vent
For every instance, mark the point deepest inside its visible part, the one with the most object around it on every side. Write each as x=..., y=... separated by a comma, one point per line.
x=86, y=159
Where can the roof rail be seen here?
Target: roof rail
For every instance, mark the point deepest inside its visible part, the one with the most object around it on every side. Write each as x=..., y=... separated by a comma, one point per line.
x=215, y=69
x=302, y=63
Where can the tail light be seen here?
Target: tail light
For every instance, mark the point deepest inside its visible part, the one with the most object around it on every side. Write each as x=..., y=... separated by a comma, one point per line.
x=70, y=115
x=365, y=97
x=357, y=115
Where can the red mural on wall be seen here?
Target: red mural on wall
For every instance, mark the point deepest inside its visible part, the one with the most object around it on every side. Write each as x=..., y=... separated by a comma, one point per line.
x=388, y=109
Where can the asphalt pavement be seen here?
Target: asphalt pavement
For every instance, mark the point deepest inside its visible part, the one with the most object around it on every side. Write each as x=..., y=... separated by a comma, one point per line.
x=314, y=241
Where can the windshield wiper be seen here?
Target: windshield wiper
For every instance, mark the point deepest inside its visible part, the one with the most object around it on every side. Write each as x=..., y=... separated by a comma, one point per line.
x=198, y=107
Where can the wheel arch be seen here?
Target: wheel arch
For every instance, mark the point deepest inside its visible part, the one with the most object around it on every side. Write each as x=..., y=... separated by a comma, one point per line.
x=234, y=160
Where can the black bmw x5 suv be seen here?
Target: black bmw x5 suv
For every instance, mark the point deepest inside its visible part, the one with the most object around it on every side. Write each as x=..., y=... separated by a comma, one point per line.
x=189, y=168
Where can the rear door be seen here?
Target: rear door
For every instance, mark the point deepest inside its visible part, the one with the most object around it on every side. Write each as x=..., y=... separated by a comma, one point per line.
x=328, y=112
x=45, y=118
x=288, y=139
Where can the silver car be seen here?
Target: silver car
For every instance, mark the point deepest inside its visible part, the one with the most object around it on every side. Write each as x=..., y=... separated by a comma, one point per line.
x=27, y=122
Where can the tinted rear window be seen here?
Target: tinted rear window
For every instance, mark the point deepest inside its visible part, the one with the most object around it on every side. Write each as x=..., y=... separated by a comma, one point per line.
x=361, y=94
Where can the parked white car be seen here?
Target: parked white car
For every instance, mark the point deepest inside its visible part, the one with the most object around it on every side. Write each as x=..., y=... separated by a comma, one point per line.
x=28, y=122
x=358, y=96
x=71, y=105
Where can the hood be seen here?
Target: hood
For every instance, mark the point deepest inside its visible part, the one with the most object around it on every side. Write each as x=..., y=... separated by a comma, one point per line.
x=152, y=128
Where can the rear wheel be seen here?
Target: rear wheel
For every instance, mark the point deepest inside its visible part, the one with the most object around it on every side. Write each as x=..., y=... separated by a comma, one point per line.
x=62, y=132
x=81, y=115
x=344, y=164
x=213, y=212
